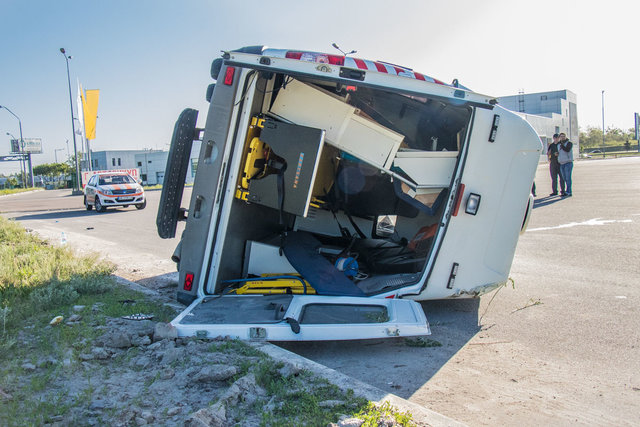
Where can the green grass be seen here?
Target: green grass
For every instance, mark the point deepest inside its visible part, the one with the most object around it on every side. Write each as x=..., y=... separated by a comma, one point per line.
x=38, y=282
x=36, y=276
x=152, y=187
x=6, y=191
x=300, y=396
x=373, y=413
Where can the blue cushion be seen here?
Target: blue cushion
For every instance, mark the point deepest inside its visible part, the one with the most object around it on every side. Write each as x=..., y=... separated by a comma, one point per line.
x=301, y=250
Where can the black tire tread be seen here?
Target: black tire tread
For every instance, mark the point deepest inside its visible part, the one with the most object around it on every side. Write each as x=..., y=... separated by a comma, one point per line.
x=184, y=133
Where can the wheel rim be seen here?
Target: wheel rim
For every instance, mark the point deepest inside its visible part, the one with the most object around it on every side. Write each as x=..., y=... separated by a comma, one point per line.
x=98, y=205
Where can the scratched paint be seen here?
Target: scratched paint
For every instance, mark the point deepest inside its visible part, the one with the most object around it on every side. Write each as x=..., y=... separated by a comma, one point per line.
x=594, y=221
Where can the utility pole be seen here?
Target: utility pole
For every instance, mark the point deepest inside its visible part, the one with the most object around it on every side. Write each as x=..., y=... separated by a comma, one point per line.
x=23, y=169
x=604, y=151
x=76, y=187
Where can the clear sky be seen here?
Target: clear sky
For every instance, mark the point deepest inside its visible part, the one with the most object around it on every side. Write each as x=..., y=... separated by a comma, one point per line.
x=151, y=58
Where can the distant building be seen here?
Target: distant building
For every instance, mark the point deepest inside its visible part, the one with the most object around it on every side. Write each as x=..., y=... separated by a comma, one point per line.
x=548, y=113
x=151, y=163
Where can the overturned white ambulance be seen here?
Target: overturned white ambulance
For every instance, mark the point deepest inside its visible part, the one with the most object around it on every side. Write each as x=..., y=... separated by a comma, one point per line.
x=332, y=193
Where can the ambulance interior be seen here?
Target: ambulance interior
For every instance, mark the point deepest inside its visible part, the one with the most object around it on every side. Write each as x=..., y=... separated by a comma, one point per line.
x=339, y=190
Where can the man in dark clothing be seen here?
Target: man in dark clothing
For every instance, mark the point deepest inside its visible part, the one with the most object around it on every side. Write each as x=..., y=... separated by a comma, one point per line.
x=554, y=167
x=565, y=158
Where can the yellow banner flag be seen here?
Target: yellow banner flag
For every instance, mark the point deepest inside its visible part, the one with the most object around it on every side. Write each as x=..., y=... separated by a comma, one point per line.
x=90, y=110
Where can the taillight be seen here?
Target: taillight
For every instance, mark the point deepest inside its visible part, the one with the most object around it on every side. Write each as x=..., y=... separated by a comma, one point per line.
x=228, y=76
x=321, y=58
x=188, y=282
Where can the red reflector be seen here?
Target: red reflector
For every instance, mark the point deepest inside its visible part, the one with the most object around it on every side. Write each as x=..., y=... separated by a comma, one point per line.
x=351, y=88
x=188, y=282
x=293, y=55
x=458, y=199
x=228, y=77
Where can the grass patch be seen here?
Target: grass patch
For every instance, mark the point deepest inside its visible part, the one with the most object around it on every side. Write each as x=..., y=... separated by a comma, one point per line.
x=7, y=191
x=236, y=347
x=301, y=397
x=36, y=276
x=422, y=342
x=373, y=413
x=152, y=187
x=39, y=281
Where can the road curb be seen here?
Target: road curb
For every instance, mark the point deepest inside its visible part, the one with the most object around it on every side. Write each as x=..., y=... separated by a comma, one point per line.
x=421, y=415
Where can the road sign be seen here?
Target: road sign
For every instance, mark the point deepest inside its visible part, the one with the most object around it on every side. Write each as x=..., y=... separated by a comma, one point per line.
x=15, y=146
x=29, y=145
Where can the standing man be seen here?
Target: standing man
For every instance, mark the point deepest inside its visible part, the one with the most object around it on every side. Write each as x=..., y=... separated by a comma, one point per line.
x=554, y=167
x=565, y=158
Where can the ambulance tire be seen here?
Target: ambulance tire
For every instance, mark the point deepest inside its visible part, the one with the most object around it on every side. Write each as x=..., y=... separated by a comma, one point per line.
x=142, y=205
x=175, y=173
x=99, y=207
x=87, y=205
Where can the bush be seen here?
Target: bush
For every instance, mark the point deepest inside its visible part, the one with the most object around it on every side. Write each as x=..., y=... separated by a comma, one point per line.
x=53, y=295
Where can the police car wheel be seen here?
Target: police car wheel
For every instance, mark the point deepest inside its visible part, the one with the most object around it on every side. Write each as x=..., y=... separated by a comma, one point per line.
x=99, y=207
x=142, y=205
x=86, y=204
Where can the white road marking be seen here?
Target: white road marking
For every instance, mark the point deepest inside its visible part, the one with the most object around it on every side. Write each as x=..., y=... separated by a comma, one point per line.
x=594, y=221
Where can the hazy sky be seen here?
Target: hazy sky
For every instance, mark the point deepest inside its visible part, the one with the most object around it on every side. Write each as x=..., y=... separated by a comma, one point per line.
x=151, y=59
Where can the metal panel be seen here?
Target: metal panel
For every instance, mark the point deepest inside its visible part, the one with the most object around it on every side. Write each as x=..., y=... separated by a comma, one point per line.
x=276, y=318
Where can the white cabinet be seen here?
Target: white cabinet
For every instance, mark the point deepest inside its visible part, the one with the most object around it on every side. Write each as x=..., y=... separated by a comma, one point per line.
x=345, y=128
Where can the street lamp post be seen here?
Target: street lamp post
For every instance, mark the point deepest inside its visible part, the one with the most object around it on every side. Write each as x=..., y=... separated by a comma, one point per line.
x=604, y=152
x=22, y=172
x=76, y=187
x=55, y=152
x=23, y=166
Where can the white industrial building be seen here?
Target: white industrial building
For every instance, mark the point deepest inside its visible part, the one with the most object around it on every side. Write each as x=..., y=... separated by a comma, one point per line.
x=151, y=163
x=548, y=113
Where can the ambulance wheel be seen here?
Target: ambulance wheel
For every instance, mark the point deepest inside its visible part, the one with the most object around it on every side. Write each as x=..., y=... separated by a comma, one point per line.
x=169, y=211
x=99, y=207
x=86, y=204
x=142, y=205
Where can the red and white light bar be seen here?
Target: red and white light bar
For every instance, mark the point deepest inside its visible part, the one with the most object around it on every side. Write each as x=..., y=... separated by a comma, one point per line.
x=347, y=61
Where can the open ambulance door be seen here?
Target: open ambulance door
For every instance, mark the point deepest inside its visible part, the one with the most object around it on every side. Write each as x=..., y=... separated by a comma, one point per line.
x=286, y=317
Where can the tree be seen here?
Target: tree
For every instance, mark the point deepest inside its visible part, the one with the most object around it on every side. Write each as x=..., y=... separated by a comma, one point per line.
x=52, y=170
x=592, y=137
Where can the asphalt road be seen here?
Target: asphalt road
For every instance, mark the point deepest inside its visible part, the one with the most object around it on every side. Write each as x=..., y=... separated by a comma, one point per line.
x=560, y=346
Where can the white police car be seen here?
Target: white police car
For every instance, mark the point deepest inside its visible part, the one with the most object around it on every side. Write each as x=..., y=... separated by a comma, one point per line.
x=113, y=189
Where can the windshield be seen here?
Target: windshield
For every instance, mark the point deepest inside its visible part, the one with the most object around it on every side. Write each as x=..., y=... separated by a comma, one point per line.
x=115, y=179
